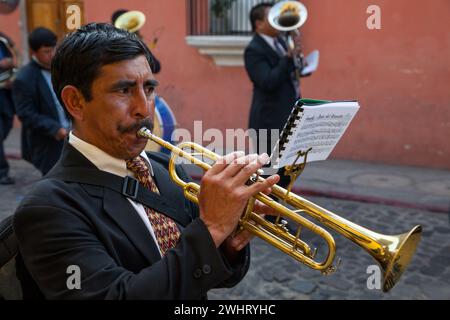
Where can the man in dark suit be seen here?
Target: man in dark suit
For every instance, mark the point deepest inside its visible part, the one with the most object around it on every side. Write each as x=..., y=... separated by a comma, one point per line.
x=86, y=241
x=6, y=104
x=271, y=69
x=44, y=124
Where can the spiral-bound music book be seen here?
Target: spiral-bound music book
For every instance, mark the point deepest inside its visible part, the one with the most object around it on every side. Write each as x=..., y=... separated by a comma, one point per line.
x=316, y=124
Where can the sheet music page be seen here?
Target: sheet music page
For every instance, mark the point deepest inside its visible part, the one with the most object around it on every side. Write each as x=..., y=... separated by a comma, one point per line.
x=321, y=127
x=312, y=62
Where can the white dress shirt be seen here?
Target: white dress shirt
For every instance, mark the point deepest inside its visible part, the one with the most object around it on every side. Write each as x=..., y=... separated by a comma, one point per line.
x=271, y=42
x=107, y=163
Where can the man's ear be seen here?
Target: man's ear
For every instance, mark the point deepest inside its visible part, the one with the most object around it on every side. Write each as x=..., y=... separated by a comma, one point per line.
x=74, y=102
x=258, y=24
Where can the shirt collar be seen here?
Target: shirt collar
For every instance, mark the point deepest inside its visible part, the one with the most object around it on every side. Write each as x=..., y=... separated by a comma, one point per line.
x=39, y=64
x=102, y=160
x=269, y=40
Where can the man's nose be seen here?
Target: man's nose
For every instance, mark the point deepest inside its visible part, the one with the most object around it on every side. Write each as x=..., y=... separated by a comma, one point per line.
x=142, y=105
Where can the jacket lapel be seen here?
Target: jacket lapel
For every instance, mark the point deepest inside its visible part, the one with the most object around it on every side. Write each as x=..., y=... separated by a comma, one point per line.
x=117, y=207
x=268, y=49
x=167, y=188
x=44, y=89
x=128, y=220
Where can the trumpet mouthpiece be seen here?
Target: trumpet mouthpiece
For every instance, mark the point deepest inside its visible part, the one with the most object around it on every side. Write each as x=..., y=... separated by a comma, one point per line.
x=144, y=132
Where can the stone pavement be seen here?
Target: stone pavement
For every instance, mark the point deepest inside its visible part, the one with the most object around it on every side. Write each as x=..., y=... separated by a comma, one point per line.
x=385, y=199
x=274, y=275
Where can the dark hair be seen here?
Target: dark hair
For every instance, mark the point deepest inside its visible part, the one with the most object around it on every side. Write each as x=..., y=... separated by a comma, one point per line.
x=41, y=37
x=258, y=12
x=81, y=55
x=117, y=14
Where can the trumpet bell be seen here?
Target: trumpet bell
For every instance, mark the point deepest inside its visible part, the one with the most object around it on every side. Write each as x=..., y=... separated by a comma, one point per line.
x=287, y=15
x=398, y=258
x=131, y=21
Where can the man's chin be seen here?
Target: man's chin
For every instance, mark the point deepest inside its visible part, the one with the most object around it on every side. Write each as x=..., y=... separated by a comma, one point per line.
x=139, y=147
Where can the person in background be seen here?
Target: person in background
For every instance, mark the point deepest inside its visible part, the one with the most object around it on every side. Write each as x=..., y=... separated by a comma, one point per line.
x=271, y=69
x=156, y=67
x=44, y=122
x=6, y=103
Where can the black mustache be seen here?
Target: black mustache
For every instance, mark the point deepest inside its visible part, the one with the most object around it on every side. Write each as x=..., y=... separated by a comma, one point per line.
x=148, y=123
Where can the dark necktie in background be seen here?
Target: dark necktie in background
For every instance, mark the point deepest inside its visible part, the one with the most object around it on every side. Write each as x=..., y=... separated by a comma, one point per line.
x=279, y=47
x=282, y=51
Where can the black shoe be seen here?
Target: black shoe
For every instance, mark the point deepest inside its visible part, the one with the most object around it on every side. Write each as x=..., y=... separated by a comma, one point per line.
x=6, y=180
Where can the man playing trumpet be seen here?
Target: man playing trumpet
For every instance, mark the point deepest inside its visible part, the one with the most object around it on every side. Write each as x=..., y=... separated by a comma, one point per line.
x=121, y=248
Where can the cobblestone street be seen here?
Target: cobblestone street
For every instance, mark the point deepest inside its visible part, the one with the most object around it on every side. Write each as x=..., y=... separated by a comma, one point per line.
x=274, y=275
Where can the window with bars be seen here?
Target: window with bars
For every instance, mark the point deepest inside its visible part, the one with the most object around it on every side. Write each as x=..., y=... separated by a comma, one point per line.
x=219, y=17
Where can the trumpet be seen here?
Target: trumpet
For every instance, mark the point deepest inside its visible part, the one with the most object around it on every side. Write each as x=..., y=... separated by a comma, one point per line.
x=392, y=252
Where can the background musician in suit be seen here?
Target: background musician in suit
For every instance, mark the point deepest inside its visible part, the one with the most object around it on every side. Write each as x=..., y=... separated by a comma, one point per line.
x=6, y=104
x=44, y=123
x=125, y=250
x=271, y=69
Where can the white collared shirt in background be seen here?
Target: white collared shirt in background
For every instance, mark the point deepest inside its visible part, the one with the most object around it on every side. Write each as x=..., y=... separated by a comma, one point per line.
x=271, y=42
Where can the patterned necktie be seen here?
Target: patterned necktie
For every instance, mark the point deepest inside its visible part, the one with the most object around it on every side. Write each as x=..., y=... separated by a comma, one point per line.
x=166, y=231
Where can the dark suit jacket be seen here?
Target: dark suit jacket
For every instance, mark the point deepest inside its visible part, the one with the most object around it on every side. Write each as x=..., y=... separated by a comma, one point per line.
x=61, y=224
x=273, y=92
x=40, y=123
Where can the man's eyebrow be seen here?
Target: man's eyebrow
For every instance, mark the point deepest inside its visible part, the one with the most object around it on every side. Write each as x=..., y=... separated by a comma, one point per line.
x=151, y=82
x=123, y=84
x=130, y=83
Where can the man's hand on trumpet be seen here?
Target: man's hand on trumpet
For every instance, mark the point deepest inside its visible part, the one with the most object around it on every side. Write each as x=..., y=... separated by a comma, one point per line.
x=224, y=194
x=237, y=241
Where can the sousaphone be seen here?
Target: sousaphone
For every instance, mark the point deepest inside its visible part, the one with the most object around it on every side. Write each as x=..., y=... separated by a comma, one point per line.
x=131, y=21
x=288, y=15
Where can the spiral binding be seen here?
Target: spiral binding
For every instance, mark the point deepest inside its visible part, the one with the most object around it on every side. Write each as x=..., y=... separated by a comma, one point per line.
x=293, y=120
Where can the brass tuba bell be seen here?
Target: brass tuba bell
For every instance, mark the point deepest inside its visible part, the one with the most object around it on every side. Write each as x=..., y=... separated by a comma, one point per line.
x=131, y=21
x=288, y=15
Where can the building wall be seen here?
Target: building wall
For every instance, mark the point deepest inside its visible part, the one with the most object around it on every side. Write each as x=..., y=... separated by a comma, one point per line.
x=400, y=74
x=10, y=25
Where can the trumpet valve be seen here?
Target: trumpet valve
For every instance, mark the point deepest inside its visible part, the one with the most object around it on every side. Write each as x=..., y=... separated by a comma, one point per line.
x=282, y=224
x=313, y=253
x=255, y=177
x=332, y=269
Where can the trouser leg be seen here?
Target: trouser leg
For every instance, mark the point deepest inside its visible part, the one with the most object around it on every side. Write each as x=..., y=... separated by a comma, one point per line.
x=4, y=166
